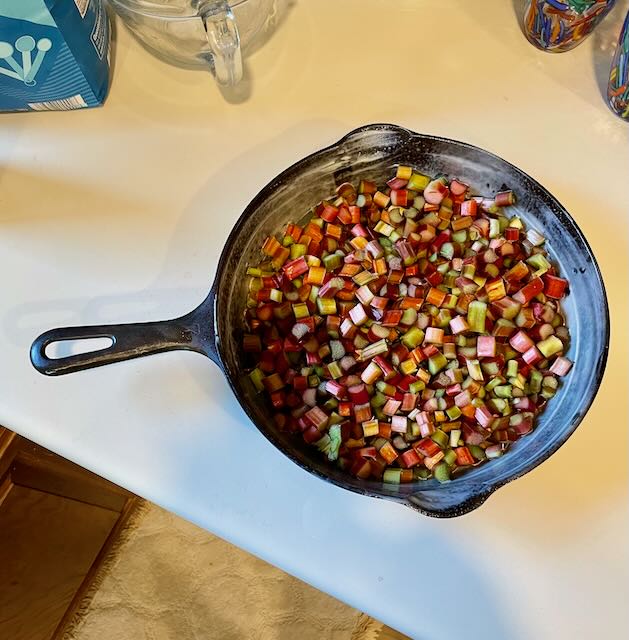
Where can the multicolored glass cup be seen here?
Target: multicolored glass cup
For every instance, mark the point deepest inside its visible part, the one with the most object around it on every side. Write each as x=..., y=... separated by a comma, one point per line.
x=618, y=87
x=561, y=25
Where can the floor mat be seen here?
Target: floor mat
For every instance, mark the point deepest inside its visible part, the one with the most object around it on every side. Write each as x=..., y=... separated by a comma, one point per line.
x=167, y=579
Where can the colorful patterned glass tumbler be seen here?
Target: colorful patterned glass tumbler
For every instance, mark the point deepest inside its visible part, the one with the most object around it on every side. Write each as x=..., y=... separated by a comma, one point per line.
x=560, y=25
x=618, y=87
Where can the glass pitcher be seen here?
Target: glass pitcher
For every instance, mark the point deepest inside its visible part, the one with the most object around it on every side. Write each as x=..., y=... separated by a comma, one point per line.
x=199, y=33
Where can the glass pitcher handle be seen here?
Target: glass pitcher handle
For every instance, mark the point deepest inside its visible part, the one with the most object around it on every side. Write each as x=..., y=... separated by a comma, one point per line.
x=224, y=40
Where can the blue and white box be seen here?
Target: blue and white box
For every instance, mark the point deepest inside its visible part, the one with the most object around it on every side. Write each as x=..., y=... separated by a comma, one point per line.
x=54, y=54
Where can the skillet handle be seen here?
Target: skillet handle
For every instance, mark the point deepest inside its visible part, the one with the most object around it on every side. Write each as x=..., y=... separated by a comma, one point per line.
x=193, y=332
x=128, y=341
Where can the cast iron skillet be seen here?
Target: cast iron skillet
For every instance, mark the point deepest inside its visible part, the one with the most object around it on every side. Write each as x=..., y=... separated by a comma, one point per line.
x=214, y=328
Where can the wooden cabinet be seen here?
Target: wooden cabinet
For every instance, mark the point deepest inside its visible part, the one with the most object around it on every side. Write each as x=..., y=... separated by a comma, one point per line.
x=57, y=522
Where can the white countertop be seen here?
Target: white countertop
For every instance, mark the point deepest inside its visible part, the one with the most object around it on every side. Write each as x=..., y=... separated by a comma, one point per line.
x=118, y=214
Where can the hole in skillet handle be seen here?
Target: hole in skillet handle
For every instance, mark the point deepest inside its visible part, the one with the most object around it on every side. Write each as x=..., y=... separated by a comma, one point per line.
x=65, y=348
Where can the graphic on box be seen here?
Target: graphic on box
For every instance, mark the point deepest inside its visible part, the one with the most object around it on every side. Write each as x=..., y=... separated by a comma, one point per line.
x=52, y=54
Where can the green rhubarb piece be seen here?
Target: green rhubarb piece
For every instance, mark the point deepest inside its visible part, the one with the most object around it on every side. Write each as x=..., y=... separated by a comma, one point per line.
x=442, y=472
x=417, y=386
x=392, y=476
x=418, y=182
x=476, y=314
x=256, y=377
x=436, y=363
x=493, y=383
x=413, y=337
x=378, y=400
x=335, y=370
x=453, y=412
x=332, y=262
x=441, y=438
x=550, y=346
x=478, y=453
x=535, y=382
x=421, y=473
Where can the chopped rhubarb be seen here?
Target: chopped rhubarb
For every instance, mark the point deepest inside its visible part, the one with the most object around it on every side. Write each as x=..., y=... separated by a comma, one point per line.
x=554, y=287
x=532, y=356
x=486, y=347
x=409, y=458
x=464, y=457
x=561, y=366
x=521, y=342
x=295, y=268
x=529, y=291
x=483, y=416
x=407, y=329
x=459, y=325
